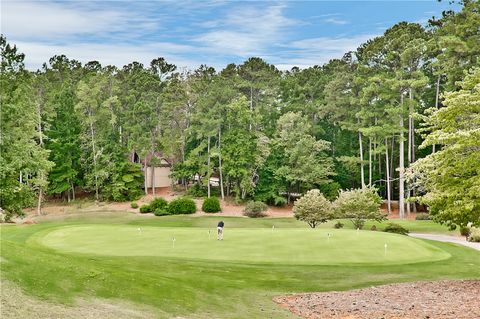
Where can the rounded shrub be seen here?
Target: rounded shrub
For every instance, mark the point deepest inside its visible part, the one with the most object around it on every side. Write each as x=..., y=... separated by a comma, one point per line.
x=474, y=235
x=396, y=228
x=182, y=205
x=373, y=228
x=474, y=238
x=211, y=205
x=465, y=231
x=158, y=203
x=338, y=225
x=134, y=205
x=255, y=209
x=144, y=209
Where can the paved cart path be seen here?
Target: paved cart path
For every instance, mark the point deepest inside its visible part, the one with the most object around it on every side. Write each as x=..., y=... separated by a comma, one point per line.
x=447, y=239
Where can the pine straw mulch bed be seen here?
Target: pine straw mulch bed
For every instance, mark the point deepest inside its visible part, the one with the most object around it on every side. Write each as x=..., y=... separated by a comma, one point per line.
x=449, y=299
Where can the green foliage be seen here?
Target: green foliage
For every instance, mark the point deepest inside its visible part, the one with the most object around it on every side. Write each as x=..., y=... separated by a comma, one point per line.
x=158, y=203
x=134, y=205
x=465, y=231
x=197, y=191
x=474, y=236
x=449, y=177
x=211, y=205
x=144, y=209
x=127, y=180
x=422, y=216
x=396, y=228
x=182, y=205
x=313, y=208
x=359, y=205
x=161, y=211
x=255, y=209
x=330, y=190
x=338, y=225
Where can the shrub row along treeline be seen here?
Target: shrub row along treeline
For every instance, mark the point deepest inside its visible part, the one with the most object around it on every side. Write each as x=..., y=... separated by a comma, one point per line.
x=265, y=133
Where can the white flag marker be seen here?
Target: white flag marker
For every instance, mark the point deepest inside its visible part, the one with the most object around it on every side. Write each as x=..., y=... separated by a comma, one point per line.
x=385, y=249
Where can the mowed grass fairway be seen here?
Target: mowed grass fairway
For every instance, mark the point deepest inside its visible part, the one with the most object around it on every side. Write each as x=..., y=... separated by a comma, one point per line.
x=254, y=245
x=106, y=256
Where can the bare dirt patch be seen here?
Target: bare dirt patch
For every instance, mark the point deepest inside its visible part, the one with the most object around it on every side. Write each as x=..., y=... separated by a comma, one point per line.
x=16, y=304
x=452, y=299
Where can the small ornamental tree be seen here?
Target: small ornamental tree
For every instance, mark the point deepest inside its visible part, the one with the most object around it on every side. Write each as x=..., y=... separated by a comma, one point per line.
x=359, y=205
x=313, y=208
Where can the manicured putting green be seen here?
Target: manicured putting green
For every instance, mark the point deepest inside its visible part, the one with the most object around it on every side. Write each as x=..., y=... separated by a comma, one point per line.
x=255, y=245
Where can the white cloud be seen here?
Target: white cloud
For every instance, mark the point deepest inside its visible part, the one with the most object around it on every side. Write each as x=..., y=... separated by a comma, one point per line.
x=246, y=31
x=107, y=54
x=340, y=44
x=48, y=20
x=335, y=21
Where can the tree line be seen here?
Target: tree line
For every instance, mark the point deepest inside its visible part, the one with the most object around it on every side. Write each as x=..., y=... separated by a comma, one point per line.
x=357, y=121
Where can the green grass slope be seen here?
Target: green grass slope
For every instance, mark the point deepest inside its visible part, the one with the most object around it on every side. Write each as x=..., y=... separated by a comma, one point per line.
x=202, y=284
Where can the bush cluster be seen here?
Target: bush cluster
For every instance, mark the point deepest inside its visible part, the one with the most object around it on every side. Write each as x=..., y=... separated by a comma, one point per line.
x=422, y=216
x=158, y=203
x=255, y=209
x=396, y=228
x=197, y=191
x=211, y=205
x=465, y=231
x=134, y=205
x=338, y=225
x=182, y=205
x=160, y=207
x=144, y=209
x=474, y=235
x=474, y=238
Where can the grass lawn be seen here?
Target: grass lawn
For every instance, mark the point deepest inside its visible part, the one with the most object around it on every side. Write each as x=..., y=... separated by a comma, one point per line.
x=106, y=256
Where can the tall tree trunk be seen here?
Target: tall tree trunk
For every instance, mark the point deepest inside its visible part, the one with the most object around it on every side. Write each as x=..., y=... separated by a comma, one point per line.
x=94, y=151
x=401, y=177
x=251, y=107
x=152, y=167
x=73, y=190
x=389, y=192
x=220, y=161
x=208, y=167
x=437, y=94
x=40, y=138
x=145, y=175
x=369, y=161
x=362, y=175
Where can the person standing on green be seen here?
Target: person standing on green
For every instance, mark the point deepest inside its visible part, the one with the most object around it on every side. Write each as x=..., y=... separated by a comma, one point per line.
x=220, y=230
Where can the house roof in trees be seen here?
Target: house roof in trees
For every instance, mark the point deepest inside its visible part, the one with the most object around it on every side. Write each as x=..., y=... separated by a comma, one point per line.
x=163, y=160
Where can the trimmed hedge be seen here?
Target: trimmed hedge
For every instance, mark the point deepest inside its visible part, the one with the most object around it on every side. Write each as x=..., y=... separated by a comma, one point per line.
x=182, y=205
x=158, y=203
x=161, y=212
x=144, y=209
x=396, y=228
x=255, y=209
x=211, y=205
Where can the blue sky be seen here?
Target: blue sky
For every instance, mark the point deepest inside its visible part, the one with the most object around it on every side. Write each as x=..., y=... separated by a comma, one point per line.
x=189, y=33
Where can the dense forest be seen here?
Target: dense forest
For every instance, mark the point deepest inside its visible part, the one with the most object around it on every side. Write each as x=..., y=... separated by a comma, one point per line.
x=401, y=114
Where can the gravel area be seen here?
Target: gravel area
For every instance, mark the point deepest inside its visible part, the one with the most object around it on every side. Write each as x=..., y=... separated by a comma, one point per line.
x=454, y=299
